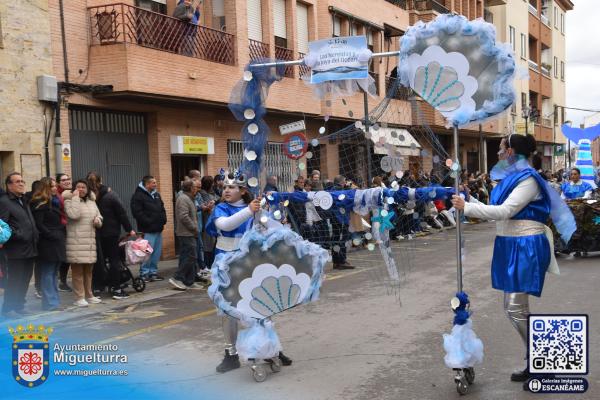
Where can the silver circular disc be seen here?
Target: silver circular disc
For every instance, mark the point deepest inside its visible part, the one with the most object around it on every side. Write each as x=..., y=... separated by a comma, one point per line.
x=341, y=197
x=277, y=214
x=368, y=236
x=358, y=124
x=394, y=134
x=247, y=76
x=322, y=130
x=336, y=248
x=436, y=159
x=253, y=182
x=286, y=203
x=251, y=155
x=249, y=113
x=263, y=202
x=314, y=142
x=253, y=129
x=384, y=213
x=401, y=138
x=415, y=215
x=342, y=211
x=309, y=155
x=301, y=166
x=390, y=200
x=432, y=194
x=371, y=246
x=264, y=219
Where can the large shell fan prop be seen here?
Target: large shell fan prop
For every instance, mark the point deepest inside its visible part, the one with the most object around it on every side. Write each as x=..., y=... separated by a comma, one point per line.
x=456, y=66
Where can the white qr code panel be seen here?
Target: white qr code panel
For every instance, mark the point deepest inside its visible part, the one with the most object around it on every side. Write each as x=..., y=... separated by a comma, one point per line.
x=558, y=344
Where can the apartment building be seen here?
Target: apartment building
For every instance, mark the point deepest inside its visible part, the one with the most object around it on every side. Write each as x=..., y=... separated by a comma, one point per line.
x=146, y=93
x=536, y=32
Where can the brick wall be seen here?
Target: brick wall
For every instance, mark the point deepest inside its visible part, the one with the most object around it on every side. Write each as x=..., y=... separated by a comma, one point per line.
x=26, y=53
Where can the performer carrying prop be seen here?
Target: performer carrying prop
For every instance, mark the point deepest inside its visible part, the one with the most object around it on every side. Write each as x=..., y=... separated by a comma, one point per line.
x=523, y=249
x=229, y=221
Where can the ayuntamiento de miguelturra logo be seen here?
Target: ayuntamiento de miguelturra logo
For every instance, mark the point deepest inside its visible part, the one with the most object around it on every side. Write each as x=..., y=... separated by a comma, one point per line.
x=30, y=354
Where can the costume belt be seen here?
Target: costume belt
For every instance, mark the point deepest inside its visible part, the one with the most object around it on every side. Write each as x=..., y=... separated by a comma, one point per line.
x=228, y=243
x=520, y=227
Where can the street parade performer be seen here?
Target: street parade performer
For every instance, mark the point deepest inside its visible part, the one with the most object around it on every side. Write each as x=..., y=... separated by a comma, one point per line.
x=576, y=188
x=230, y=220
x=523, y=249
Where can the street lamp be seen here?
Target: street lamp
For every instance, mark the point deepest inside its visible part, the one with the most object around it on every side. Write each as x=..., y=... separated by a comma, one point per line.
x=525, y=112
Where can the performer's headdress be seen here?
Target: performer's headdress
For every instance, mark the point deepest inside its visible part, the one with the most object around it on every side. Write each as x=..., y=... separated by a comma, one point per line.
x=235, y=179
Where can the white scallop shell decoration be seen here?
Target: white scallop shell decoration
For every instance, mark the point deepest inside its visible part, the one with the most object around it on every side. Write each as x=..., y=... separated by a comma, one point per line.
x=272, y=290
x=442, y=79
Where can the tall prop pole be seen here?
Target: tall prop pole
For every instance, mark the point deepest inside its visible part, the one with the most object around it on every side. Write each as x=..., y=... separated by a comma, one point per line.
x=367, y=125
x=458, y=215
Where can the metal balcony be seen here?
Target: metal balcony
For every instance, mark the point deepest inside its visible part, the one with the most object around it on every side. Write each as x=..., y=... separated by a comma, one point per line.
x=427, y=5
x=122, y=23
x=258, y=50
x=398, y=3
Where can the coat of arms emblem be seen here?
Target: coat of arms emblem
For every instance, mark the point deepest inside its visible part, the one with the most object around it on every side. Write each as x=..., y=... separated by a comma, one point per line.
x=30, y=354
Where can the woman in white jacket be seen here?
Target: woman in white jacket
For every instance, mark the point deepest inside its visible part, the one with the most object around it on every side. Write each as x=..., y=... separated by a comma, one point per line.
x=521, y=204
x=83, y=219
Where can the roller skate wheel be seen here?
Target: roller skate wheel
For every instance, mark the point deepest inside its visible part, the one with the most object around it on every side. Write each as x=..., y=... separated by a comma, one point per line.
x=462, y=387
x=258, y=373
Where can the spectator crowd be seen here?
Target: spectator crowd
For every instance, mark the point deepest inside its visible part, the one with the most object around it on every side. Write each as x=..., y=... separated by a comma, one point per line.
x=60, y=226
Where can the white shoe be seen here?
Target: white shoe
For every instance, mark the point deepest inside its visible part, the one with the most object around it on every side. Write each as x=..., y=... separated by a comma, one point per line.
x=177, y=284
x=94, y=300
x=81, y=303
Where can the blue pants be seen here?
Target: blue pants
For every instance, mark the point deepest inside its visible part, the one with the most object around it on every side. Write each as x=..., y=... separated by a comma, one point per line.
x=151, y=266
x=49, y=283
x=200, y=252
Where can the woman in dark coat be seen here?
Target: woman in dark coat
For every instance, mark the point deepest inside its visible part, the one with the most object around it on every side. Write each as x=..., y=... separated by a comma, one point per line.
x=45, y=207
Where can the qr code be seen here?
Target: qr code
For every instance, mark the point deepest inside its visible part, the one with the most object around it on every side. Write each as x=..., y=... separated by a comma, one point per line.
x=558, y=344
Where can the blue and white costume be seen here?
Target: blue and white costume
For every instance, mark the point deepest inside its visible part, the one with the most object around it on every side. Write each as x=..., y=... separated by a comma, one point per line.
x=228, y=223
x=576, y=190
x=521, y=204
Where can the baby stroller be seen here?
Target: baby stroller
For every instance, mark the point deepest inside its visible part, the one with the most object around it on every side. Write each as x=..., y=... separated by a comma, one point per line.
x=135, y=250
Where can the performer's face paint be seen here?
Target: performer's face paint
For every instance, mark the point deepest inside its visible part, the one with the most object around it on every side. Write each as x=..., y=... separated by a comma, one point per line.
x=504, y=152
x=232, y=193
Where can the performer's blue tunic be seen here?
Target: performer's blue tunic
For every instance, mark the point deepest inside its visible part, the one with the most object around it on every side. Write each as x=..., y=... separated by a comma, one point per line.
x=575, y=191
x=227, y=210
x=520, y=263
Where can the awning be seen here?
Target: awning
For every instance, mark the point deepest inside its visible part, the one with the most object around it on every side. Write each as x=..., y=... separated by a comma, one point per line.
x=398, y=137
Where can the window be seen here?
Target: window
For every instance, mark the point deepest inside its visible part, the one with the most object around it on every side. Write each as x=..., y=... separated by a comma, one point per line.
x=523, y=100
x=337, y=26
x=555, y=114
x=218, y=12
x=562, y=70
x=562, y=23
x=302, y=27
x=523, y=46
x=556, y=17
x=370, y=39
x=354, y=29
x=511, y=34
x=555, y=67
x=254, y=20
x=279, y=23
x=159, y=6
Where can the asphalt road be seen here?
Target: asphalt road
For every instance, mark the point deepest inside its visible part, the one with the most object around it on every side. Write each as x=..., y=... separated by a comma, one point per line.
x=361, y=340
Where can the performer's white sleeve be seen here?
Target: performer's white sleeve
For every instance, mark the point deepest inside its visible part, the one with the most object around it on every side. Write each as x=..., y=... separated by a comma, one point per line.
x=227, y=224
x=587, y=195
x=523, y=194
x=562, y=196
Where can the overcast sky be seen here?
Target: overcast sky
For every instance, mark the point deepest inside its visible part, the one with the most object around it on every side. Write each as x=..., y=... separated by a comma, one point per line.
x=583, y=58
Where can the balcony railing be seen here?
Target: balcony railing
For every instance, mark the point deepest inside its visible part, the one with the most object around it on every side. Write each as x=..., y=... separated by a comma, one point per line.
x=398, y=3
x=122, y=23
x=304, y=69
x=532, y=9
x=283, y=54
x=258, y=50
x=396, y=91
x=533, y=65
x=545, y=71
x=547, y=122
x=427, y=5
x=545, y=20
